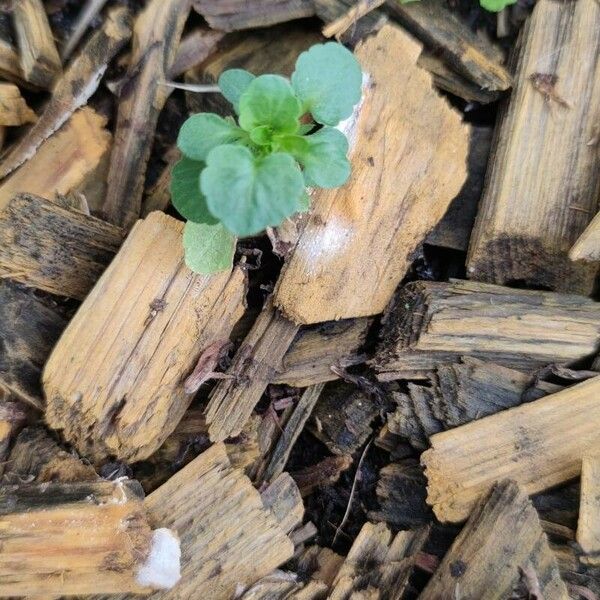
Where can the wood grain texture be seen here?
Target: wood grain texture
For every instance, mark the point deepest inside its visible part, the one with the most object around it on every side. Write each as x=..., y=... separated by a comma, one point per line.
x=378, y=564
x=71, y=539
x=114, y=382
x=253, y=368
x=502, y=536
x=40, y=62
x=13, y=416
x=228, y=538
x=431, y=323
x=36, y=457
x=14, y=110
x=156, y=36
x=233, y=15
x=543, y=185
x=588, y=524
x=587, y=245
x=540, y=445
x=10, y=65
x=53, y=248
x=74, y=88
x=410, y=154
x=29, y=329
x=72, y=160
x=316, y=349
x=442, y=31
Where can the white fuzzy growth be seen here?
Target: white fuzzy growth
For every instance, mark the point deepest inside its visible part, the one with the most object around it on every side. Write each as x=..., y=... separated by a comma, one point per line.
x=348, y=126
x=162, y=569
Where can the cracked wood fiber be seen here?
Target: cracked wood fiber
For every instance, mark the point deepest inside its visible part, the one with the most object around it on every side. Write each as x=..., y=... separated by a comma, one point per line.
x=156, y=36
x=115, y=381
x=53, y=248
x=72, y=160
x=540, y=445
x=64, y=539
x=433, y=323
x=254, y=366
x=408, y=162
x=74, y=88
x=28, y=330
x=228, y=537
x=40, y=62
x=543, y=182
x=502, y=537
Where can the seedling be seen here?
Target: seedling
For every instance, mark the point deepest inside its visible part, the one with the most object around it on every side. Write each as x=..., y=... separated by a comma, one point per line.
x=238, y=177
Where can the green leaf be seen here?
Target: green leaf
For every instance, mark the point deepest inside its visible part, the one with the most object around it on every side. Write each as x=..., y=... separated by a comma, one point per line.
x=208, y=248
x=186, y=196
x=328, y=81
x=325, y=162
x=296, y=145
x=203, y=132
x=495, y=5
x=249, y=194
x=233, y=84
x=262, y=135
x=269, y=100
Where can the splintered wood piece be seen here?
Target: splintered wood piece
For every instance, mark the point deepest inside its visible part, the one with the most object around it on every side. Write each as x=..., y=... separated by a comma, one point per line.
x=115, y=381
x=72, y=160
x=81, y=538
x=431, y=323
x=84, y=18
x=352, y=252
x=10, y=65
x=543, y=185
x=13, y=108
x=74, y=88
x=156, y=36
x=451, y=38
x=281, y=585
x=454, y=230
x=539, y=445
x=282, y=497
x=233, y=15
x=316, y=349
x=348, y=19
x=502, y=538
x=342, y=417
x=13, y=416
x=53, y=248
x=588, y=525
x=253, y=368
x=29, y=329
x=587, y=246
x=325, y=472
x=349, y=14
x=36, y=457
x=40, y=62
x=228, y=537
x=293, y=428
x=378, y=563
x=195, y=48
x=458, y=394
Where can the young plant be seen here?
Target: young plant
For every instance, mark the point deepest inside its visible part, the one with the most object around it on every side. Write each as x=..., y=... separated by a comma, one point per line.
x=238, y=177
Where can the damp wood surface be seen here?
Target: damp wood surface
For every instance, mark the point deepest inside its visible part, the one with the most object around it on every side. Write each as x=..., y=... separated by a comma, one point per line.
x=142, y=327
x=502, y=538
x=323, y=279
x=543, y=185
x=540, y=445
x=54, y=248
x=433, y=323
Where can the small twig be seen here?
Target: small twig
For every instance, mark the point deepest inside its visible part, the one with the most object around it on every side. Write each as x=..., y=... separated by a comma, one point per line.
x=85, y=17
x=202, y=88
x=356, y=476
x=348, y=19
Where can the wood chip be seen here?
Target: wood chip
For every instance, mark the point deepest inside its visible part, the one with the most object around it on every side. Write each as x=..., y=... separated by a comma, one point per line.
x=156, y=36
x=588, y=525
x=352, y=254
x=587, y=246
x=53, y=248
x=543, y=186
x=115, y=381
x=74, y=88
x=539, y=445
x=431, y=323
x=501, y=539
x=40, y=62
x=13, y=108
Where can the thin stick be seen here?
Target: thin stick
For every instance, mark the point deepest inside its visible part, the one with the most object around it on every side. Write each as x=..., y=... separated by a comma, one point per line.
x=90, y=10
x=343, y=23
x=192, y=87
x=360, y=462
